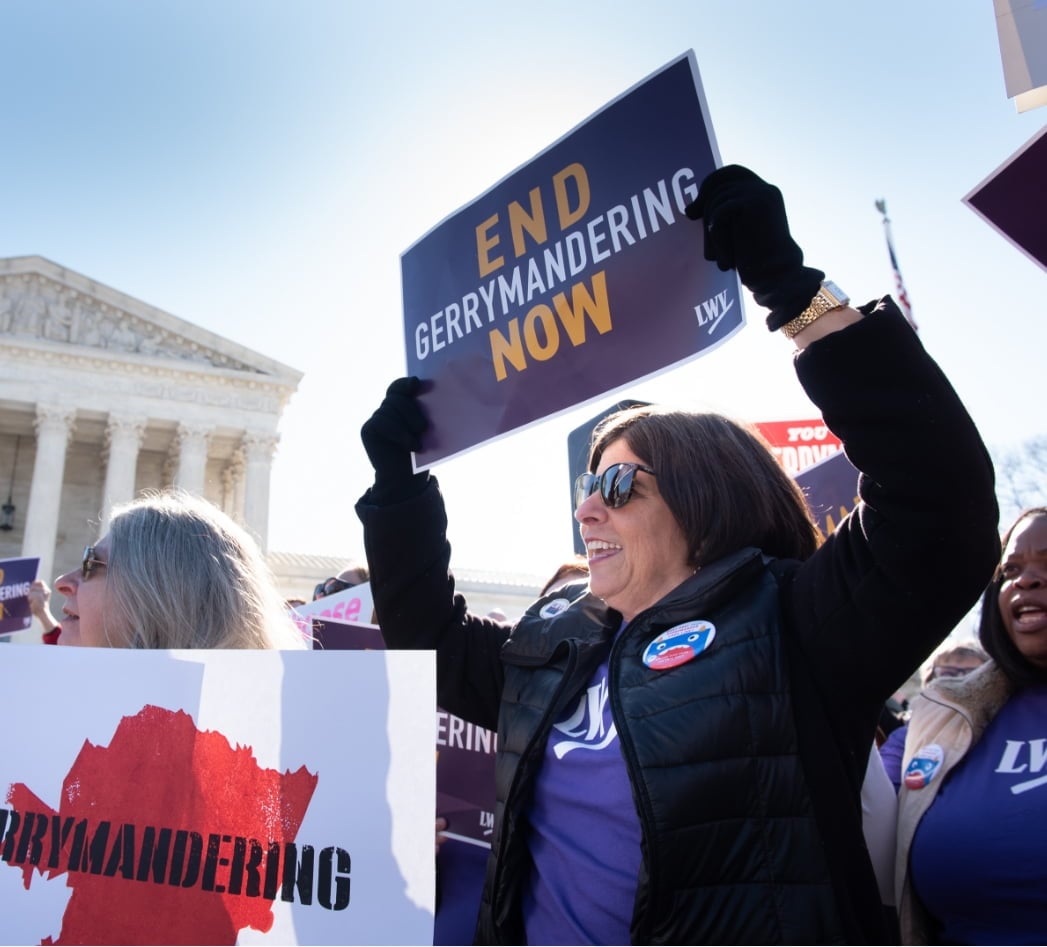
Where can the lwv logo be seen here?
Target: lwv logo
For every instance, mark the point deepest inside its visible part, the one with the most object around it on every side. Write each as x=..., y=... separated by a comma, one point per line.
x=711, y=311
x=1024, y=756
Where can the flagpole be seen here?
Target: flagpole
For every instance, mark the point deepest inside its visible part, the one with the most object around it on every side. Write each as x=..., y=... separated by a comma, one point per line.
x=903, y=296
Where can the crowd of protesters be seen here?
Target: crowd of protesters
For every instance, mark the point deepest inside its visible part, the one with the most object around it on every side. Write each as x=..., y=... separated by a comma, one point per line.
x=688, y=717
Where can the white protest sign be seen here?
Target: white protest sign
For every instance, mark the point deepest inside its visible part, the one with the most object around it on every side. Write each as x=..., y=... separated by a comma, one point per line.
x=218, y=797
x=353, y=605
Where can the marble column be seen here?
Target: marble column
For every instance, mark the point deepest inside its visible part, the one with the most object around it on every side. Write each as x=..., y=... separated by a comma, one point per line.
x=54, y=426
x=193, y=441
x=258, y=449
x=233, y=486
x=123, y=438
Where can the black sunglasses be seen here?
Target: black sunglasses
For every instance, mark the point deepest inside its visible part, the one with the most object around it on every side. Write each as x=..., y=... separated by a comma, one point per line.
x=90, y=563
x=330, y=586
x=615, y=484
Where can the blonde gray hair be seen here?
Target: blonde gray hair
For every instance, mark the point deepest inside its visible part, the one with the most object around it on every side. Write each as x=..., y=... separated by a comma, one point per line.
x=182, y=574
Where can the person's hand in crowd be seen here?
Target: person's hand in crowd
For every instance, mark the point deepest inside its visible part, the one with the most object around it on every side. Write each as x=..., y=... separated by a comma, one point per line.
x=390, y=435
x=746, y=229
x=39, y=608
x=39, y=599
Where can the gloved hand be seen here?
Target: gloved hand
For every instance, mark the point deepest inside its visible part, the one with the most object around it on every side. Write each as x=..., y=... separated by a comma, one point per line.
x=389, y=435
x=746, y=229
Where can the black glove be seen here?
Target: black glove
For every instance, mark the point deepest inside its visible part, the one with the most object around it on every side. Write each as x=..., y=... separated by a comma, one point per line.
x=746, y=229
x=389, y=435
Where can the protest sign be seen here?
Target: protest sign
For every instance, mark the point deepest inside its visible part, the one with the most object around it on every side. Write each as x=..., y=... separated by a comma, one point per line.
x=799, y=444
x=352, y=605
x=203, y=797
x=464, y=796
x=831, y=489
x=1021, y=26
x=330, y=634
x=1009, y=199
x=465, y=752
x=465, y=778
x=16, y=575
x=575, y=275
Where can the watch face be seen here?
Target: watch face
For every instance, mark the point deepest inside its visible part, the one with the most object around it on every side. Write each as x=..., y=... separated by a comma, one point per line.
x=833, y=290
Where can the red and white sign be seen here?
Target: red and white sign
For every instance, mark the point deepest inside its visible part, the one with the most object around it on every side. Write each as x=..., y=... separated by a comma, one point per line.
x=799, y=445
x=352, y=606
x=218, y=797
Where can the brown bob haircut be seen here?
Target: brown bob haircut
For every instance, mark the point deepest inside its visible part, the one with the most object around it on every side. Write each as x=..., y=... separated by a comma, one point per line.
x=718, y=478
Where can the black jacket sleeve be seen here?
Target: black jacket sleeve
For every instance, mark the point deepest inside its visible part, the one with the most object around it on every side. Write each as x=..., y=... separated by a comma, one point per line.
x=409, y=557
x=912, y=558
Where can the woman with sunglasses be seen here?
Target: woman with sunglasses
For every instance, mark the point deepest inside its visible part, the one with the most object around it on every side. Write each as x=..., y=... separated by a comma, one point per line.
x=351, y=576
x=972, y=810
x=682, y=749
x=173, y=572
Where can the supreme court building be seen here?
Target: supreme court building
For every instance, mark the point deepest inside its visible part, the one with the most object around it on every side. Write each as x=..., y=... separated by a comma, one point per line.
x=103, y=396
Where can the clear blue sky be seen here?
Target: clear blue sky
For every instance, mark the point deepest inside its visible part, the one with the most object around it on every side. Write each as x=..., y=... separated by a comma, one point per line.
x=258, y=167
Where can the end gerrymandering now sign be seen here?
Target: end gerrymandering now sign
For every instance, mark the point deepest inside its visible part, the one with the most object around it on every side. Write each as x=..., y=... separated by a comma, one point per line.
x=575, y=275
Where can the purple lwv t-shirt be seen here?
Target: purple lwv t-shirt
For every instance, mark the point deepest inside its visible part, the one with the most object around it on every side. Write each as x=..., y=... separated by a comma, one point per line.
x=585, y=834
x=978, y=859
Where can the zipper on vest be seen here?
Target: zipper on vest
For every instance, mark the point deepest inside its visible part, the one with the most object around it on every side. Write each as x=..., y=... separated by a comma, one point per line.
x=641, y=935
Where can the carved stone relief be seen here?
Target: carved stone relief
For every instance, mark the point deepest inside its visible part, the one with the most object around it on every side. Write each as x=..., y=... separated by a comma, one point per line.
x=55, y=421
x=35, y=307
x=259, y=446
x=124, y=432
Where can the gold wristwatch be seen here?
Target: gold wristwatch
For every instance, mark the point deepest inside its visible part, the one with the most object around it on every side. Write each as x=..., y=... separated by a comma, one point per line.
x=829, y=297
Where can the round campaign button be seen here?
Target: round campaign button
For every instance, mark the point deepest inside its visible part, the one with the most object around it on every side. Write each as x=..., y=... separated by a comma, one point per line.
x=923, y=766
x=679, y=645
x=557, y=605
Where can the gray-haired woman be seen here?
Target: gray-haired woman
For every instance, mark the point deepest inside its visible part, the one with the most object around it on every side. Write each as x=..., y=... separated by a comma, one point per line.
x=174, y=571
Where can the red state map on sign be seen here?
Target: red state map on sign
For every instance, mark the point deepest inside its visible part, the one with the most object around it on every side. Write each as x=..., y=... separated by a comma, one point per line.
x=168, y=835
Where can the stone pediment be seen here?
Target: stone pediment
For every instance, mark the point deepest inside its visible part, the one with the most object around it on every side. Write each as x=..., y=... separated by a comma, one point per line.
x=43, y=302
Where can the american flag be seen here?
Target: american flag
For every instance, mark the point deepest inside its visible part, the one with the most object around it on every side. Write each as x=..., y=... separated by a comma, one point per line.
x=900, y=293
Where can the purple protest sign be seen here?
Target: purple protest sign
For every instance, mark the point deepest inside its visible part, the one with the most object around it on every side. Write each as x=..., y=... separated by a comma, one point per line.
x=330, y=634
x=465, y=778
x=16, y=575
x=1008, y=198
x=831, y=488
x=574, y=276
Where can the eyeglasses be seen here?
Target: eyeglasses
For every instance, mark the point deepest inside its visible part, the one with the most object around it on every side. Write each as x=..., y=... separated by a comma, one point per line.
x=949, y=670
x=330, y=586
x=615, y=484
x=90, y=564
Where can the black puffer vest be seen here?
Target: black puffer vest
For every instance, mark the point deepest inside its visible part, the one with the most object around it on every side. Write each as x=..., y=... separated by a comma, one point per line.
x=730, y=840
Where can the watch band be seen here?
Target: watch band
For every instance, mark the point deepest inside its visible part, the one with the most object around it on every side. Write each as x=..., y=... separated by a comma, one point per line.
x=828, y=298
